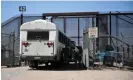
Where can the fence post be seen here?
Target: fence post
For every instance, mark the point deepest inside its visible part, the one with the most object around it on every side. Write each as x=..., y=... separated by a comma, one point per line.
x=9, y=46
x=123, y=48
x=13, y=48
x=110, y=27
x=132, y=49
x=21, y=19
x=128, y=50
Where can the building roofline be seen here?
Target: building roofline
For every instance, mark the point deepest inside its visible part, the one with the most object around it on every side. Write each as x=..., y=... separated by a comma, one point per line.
x=86, y=13
x=65, y=14
x=17, y=16
x=9, y=20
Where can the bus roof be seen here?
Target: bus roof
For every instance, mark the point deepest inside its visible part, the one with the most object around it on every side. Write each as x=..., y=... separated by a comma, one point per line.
x=38, y=24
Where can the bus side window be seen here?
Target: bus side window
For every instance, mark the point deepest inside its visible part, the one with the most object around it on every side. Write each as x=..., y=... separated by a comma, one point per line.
x=63, y=39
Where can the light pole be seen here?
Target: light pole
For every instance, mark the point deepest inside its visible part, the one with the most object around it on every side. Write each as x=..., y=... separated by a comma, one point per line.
x=22, y=9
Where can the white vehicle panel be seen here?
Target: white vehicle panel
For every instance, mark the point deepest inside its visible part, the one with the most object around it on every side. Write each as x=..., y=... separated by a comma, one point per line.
x=22, y=38
x=37, y=48
x=23, y=35
x=52, y=35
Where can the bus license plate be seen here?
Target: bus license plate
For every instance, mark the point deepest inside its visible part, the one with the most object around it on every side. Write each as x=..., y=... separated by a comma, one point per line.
x=37, y=58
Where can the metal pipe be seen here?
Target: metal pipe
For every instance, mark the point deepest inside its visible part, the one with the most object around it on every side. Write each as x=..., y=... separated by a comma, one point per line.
x=73, y=17
x=123, y=50
x=116, y=40
x=21, y=19
x=70, y=14
x=9, y=45
x=21, y=22
x=125, y=20
x=13, y=48
x=117, y=30
x=125, y=15
x=128, y=51
x=52, y=19
x=92, y=21
x=78, y=31
x=84, y=14
x=64, y=25
x=110, y=27
x=76, y=36
x=97, y=25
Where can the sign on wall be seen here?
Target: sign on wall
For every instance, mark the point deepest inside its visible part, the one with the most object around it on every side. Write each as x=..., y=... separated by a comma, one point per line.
x=93, y=32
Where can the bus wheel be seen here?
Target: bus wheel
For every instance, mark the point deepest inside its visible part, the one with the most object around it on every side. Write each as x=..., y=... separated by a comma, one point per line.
x=33, y=64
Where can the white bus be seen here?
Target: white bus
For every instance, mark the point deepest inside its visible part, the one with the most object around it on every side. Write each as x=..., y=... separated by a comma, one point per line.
x=42, y=42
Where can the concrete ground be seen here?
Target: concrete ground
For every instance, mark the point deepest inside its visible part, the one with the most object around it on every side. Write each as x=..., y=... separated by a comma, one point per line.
x=71, y=72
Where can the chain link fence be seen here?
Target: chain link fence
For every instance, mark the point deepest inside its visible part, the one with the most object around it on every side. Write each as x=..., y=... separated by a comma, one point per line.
x=73, y=24
x=9, y=49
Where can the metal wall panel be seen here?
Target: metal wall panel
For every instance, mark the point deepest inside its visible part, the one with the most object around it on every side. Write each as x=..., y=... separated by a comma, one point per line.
x=59, y=24
x=12, y=26
x=120, y=26
x=72, y=26
x=103, y=30
x=84, y=23
x=30, y=18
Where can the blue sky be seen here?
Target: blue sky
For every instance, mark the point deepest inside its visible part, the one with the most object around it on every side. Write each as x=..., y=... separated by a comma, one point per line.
x=10, y=8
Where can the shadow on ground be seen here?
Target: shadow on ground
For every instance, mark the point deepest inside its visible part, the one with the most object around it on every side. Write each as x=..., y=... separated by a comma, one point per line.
x=78, y=67
x=126, y=68
x=66, y=67
x=130, y=69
